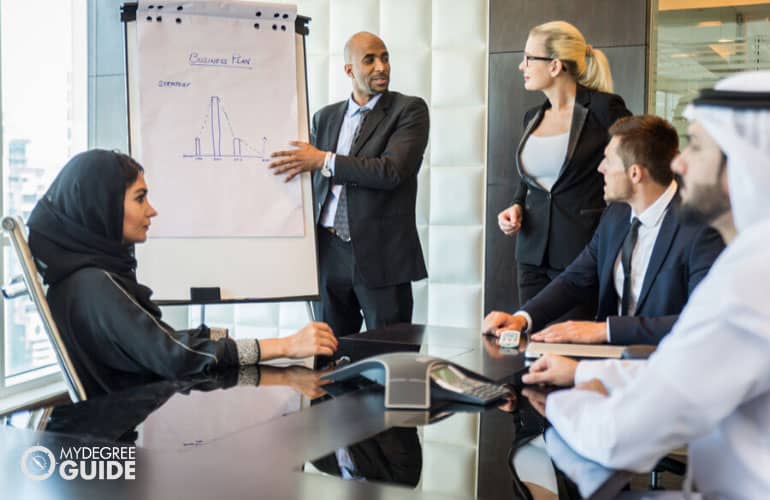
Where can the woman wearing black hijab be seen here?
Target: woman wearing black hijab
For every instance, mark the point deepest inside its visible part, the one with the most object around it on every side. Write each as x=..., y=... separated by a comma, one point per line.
x=82, y=235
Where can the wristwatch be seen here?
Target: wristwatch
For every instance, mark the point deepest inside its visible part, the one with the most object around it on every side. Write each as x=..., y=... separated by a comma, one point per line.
x=326, y=170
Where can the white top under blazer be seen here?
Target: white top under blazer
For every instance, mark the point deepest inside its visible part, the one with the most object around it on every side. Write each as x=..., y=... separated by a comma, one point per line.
x=543, y=156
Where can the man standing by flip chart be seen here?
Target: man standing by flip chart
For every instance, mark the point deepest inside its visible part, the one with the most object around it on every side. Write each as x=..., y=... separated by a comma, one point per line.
x=365, y=155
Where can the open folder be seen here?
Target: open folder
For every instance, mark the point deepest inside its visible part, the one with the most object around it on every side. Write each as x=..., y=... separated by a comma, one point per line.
x=537, y=349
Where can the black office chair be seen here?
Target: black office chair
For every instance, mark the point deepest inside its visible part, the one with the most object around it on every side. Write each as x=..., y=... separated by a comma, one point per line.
x=673, y=463
x=14, y=228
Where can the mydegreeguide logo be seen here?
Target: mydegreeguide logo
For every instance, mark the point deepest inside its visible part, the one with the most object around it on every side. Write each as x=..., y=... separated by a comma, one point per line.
x=80, y=462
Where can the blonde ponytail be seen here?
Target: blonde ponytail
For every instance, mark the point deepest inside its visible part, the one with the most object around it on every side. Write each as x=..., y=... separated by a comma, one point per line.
x=588, y=66
x=597, y=74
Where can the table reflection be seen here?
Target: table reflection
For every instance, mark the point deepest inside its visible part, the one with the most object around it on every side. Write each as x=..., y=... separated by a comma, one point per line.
x=393, y=456
x=177, y=414
x=523, y=466
x=510, y=454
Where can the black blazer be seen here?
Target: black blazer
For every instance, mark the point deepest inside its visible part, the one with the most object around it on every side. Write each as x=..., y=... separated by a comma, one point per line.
x=380, y=175
x=557, y=225
x=681, y=257
x=115, y=343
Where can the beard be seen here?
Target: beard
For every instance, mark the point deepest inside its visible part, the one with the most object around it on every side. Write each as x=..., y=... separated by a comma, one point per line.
x=618, y=193
x=704, y=205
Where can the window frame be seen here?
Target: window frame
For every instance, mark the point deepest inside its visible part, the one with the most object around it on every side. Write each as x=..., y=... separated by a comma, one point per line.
x=48, y=376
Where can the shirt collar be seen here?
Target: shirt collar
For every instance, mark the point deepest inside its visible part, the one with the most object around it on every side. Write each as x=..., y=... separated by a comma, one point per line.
x=354, y=108
x=653, y=214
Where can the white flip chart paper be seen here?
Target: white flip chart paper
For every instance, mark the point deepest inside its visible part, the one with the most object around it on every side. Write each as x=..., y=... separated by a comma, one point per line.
x=217, y=95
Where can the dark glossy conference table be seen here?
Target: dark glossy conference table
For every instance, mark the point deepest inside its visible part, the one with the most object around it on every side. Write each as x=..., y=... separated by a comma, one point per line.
x=224, y=436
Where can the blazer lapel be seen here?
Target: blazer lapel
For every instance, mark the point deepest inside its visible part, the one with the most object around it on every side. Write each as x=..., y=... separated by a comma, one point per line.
x=533, y=123
x=328, y=142
x=668, y=230
x=608, y=303
x=373, y=118
x=335, y=122
x=579, y=115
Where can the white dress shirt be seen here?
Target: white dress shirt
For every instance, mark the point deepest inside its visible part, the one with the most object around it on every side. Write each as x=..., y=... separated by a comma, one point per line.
x=651, y=219
x=344, y=143
x=708, y=385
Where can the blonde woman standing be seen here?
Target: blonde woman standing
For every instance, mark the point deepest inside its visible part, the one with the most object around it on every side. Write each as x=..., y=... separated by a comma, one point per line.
x=560, y=198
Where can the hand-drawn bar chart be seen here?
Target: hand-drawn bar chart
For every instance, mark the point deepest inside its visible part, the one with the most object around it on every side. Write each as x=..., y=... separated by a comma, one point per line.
x=217, y=140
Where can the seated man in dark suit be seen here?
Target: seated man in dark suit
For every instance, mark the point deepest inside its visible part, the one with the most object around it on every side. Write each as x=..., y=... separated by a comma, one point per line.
x=642, y=262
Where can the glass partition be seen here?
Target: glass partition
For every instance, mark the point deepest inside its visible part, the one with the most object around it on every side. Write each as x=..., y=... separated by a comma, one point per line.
x=696, y=42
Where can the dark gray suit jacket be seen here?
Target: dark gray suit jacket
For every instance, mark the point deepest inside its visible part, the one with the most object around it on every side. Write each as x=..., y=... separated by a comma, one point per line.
x=380, y=175
x=681, y=257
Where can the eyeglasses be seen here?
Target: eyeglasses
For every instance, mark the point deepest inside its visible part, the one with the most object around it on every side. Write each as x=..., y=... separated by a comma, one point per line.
x=528, y=58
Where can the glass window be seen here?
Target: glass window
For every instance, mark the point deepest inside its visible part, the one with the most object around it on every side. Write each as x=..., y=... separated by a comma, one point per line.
x=43, y=83
x=698, y=42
